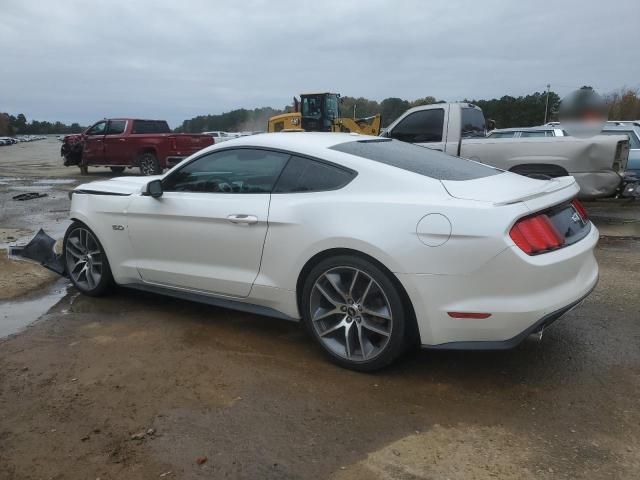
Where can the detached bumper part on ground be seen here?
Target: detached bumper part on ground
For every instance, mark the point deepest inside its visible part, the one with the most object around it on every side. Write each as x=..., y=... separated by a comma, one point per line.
x=41, y=250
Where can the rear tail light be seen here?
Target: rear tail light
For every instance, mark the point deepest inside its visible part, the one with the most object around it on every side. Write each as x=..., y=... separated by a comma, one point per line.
x=536, y=234
x=577, y=204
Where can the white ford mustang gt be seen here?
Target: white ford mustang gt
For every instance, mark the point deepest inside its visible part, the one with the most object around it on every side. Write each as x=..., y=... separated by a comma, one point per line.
x=375, y=244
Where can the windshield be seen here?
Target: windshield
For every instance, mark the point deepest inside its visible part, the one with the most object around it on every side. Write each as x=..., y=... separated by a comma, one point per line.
x=332, y=106
x=312, y=106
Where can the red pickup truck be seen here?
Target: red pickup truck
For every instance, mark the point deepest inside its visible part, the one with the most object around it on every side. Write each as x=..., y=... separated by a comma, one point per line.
x=122, y=143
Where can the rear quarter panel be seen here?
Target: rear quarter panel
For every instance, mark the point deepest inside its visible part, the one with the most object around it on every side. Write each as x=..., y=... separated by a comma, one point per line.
x=575, y=155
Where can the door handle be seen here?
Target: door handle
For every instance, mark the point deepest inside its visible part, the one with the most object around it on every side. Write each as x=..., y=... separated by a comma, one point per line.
x=242, y=219
x=122, y=139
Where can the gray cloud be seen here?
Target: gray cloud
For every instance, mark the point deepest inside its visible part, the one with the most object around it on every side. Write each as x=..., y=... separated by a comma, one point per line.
x=79, y=61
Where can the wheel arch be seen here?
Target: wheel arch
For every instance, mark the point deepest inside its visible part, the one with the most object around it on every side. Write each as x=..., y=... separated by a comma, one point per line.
x=412, y=327
x=147, y=149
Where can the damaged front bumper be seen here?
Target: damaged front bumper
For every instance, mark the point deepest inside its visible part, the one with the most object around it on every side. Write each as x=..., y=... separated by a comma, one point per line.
x=41, y=250
x=630, y=187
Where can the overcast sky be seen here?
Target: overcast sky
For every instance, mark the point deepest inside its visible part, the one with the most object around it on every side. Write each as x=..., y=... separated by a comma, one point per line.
x=83, y=60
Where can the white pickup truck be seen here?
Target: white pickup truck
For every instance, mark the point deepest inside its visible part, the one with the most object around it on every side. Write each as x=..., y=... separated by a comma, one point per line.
x=597, y=163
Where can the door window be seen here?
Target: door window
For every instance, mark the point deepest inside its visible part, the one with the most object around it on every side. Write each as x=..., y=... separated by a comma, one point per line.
x=306, y=175
x=633, y=140
x=534, y=133
x=240, y=170
x=420, y=127
x=473, y=123
x=97, y=129
x=495, y=134
x=116, y=127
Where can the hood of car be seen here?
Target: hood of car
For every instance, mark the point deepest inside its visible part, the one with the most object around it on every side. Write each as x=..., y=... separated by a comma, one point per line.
x=117, y=186
x=505, y=188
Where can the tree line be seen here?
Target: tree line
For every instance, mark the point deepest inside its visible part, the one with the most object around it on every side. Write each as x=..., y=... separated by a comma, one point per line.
x=506, y=111
x=18, y=125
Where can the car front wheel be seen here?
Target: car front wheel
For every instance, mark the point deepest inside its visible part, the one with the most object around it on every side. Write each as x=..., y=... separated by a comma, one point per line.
x=355, y=313
x=86, y=261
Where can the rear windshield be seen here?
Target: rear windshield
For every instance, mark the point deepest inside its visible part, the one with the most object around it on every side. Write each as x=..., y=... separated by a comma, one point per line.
x=416, y=159
x=150, y=126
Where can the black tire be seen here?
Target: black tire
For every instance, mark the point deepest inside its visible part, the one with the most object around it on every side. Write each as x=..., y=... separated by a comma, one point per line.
x=399, y=321
x=117, y=169
x=149, y=164
x=105, y=283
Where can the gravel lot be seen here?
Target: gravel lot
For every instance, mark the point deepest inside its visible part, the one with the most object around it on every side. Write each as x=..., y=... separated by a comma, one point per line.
x=137, y=386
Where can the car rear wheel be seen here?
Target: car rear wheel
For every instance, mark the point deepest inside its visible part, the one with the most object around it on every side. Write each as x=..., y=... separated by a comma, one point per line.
x=149, y=164
x=355, y=313
x=85, y=261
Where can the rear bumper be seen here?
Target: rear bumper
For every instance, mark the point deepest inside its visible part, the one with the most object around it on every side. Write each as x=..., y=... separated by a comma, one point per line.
x=522, y=293
x=597, y=184
x=512, y=342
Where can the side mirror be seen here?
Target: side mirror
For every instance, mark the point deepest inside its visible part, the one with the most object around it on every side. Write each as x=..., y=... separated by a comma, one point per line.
x=154, y=188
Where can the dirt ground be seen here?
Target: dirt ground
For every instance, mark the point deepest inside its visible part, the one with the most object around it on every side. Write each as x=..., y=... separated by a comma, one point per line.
x=20, y=278
x=137, y=386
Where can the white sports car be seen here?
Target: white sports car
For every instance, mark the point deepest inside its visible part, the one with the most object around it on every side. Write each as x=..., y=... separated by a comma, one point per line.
x=375, y=244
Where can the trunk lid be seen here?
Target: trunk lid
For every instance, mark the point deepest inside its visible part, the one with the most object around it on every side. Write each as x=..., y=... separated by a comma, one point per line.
x=506, y=188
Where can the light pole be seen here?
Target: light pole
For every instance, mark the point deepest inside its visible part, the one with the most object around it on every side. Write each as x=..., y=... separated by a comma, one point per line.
x=546, y=107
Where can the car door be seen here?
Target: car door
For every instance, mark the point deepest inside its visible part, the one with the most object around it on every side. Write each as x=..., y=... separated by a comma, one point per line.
x=93, y=150
x=117, y=151
x=207, y=230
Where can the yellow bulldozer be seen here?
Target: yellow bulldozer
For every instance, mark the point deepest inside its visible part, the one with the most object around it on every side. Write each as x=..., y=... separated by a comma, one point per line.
x=319, y=112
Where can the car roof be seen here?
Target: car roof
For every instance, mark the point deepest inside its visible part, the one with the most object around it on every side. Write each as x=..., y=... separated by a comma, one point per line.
x=298, y=141
x=525, y=129
x=627, y=127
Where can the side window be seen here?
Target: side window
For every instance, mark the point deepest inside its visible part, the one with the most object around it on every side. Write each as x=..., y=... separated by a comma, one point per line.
x=240, y=170
x=502, y=134
x=116, y=127
x=421, y=126
x=473, y=123
x=539, y=133
x=305, y=175
x=150, y=126
x=97, y=129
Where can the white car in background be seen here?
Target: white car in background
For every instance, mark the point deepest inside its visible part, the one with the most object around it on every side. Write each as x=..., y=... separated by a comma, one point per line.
x=219, y=136
x=374, y=243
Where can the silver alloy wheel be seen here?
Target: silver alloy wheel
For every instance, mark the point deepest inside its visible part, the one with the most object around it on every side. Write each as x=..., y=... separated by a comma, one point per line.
x=84, y=258
x=147, y=165
x=351, y=314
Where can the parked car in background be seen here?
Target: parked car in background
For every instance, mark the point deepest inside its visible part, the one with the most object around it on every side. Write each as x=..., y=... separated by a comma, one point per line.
x=375, y=244
x=526, y=132
x=597, y=163
x=121, y=143
x=219, y=136
x=630, y=129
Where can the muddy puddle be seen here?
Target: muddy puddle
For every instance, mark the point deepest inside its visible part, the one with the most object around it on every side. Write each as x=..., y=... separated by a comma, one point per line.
x=16, y=315
x=55, y=181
